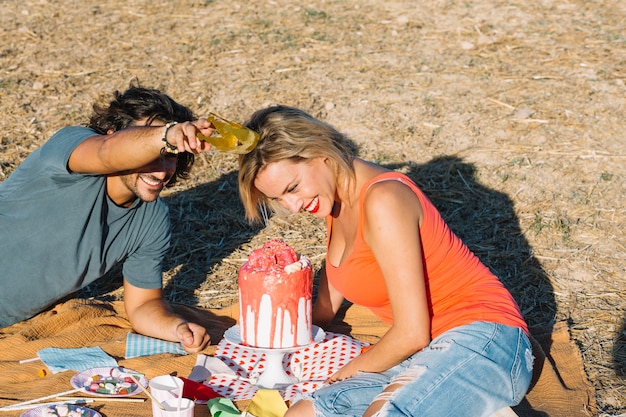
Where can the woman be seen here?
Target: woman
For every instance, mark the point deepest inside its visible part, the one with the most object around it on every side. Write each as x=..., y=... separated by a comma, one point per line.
x=457, y=344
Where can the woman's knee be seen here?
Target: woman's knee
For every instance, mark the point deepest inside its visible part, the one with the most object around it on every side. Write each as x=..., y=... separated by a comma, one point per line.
x=303, y=408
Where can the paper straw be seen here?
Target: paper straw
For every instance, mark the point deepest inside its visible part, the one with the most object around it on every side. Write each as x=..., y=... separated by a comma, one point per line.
x=50, y=404
x=30, y=360
x=104, y=399
x=47, y=397
x=180, y=395
x=131, y=376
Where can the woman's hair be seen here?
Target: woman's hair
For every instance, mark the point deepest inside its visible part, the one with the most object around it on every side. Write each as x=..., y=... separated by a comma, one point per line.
x=138, y=103
x=287, y=133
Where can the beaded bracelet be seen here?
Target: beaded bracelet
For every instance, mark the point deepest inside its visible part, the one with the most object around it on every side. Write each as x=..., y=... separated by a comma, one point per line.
x=168, y=148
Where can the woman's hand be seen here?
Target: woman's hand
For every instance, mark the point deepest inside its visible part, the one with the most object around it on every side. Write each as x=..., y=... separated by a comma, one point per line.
x=348, y=371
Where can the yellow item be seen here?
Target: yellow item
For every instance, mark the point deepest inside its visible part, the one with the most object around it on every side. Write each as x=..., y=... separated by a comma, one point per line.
x=267, y=403
x=230, y=136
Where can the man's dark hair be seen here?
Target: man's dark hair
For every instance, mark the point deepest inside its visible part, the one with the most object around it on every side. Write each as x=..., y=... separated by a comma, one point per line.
x=139, y=103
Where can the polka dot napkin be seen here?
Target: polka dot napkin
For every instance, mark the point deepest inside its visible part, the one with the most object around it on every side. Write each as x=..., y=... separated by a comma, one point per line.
x=312, y=365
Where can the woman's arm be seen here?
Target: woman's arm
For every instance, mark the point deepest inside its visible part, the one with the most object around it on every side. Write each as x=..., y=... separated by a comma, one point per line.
x=392, y=215
x=327, y=303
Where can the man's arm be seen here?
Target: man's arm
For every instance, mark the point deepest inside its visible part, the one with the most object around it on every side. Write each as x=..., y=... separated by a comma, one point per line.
x=151, y=315
x=135, y=146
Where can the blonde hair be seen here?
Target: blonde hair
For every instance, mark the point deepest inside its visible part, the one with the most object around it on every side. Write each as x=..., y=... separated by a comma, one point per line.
x=287, y=133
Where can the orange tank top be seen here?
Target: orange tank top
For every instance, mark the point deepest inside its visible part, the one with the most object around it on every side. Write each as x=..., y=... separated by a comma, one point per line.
x=460, y=288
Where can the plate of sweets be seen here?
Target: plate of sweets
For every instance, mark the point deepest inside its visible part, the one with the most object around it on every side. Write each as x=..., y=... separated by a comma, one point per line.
x=109, y=382
x=61, y=410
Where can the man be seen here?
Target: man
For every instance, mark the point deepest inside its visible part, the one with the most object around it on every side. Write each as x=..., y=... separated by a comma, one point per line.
x=88, y=199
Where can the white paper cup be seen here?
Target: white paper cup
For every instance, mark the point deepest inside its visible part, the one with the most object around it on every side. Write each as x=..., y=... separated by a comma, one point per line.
x=172, y=408
x=163, y=388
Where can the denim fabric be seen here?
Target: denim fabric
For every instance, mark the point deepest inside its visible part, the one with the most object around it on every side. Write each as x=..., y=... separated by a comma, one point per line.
x=472, y=370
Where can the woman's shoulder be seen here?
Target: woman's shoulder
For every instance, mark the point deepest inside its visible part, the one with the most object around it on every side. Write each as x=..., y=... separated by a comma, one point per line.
x=387, y=185
x=386, y=181
x=390, y=194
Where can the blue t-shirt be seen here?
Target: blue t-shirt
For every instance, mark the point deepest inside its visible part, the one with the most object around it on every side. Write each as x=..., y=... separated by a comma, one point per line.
x=59, y=231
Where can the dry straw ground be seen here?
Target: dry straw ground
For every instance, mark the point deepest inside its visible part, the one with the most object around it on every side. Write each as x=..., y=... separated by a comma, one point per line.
x=510, y=114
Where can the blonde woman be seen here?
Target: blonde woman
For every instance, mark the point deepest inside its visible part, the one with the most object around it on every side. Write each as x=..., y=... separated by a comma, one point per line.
x=457, y=346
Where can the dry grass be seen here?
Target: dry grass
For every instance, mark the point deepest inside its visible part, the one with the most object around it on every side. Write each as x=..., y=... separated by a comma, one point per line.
x=508, y=113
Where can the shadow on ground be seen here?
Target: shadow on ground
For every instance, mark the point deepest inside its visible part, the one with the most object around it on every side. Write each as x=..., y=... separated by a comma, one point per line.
x=486, y=221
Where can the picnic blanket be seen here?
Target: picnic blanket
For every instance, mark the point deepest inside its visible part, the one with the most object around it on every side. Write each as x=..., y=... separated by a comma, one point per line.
x=560, y=387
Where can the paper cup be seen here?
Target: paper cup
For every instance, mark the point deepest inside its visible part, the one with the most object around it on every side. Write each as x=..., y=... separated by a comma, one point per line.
x=163, y=388
x=172, y=408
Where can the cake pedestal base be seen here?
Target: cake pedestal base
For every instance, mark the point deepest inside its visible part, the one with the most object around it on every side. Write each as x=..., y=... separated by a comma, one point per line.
x=274, y=376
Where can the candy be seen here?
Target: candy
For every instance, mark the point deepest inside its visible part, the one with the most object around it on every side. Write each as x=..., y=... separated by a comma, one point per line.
x=110, y=385
x=64, y=410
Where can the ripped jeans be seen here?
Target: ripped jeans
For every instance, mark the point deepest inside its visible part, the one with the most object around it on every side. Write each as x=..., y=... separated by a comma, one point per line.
x=469, y=371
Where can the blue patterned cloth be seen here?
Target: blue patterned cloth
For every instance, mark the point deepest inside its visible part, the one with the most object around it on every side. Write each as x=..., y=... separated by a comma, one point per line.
x=77, y=359
x=139, y=345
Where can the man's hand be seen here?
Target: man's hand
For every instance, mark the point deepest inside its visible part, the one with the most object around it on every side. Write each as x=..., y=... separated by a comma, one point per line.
x=193, y=336
x=184, y=136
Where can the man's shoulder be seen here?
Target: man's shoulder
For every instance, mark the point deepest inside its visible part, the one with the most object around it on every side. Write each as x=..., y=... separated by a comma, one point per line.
x=66, y=138
x=72, y=132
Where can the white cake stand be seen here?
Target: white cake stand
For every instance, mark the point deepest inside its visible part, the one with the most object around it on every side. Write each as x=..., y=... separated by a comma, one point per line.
x=274, y=375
